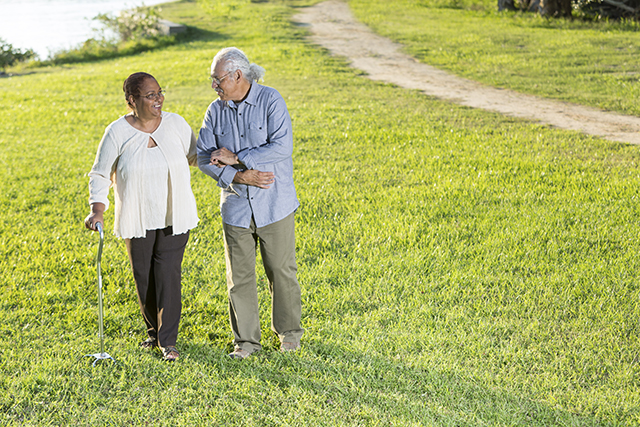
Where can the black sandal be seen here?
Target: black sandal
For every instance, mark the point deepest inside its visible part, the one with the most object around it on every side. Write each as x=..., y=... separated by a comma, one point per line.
x=149, y=344
x=170, y=353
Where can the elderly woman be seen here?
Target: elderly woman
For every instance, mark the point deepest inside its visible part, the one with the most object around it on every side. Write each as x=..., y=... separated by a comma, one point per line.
x=146, y=155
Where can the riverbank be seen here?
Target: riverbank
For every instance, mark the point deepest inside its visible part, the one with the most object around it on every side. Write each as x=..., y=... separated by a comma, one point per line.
x=50, y=26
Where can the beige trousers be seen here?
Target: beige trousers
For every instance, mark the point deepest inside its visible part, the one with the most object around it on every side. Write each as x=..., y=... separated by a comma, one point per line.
x=278, y=250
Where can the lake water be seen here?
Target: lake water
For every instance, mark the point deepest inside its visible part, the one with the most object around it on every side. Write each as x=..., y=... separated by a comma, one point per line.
x=49, y=25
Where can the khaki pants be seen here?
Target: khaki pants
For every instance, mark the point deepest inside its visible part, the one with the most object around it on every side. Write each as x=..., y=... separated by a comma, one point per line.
x=278, y=250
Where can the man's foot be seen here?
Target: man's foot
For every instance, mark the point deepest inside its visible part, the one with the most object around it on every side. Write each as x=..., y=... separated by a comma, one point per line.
x=289, y=346
x=149, y=344
x=170, y=353
x=240, y=354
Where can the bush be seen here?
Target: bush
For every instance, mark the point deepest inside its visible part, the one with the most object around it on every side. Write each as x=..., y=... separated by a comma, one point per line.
x=96, y=49
x=130, y=32
x=141, y=22
x=616, y=10
x=9, y=55
x=610, y=9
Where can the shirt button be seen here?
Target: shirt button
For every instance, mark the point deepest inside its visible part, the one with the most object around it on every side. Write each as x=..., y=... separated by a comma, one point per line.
x=241, y=136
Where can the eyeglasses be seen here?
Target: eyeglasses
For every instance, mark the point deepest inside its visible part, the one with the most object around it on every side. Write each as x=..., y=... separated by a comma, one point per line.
x=153, y=96
x=217, y=80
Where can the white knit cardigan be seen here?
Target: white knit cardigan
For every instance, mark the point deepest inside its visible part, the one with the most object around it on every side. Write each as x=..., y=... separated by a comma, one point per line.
x=119, y=162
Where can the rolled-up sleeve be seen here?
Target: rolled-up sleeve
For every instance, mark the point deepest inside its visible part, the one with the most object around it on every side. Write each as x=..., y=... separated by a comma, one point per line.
x=207, y=143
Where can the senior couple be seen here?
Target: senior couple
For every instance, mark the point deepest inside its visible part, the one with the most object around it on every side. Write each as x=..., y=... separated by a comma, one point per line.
x=245, y=144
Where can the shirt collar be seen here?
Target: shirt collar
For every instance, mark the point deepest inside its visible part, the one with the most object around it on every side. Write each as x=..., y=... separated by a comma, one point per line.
x=252, y=96
x=251, y=99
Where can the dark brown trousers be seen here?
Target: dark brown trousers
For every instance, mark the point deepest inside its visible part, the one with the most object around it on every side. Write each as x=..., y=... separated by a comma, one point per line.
x=156, y=261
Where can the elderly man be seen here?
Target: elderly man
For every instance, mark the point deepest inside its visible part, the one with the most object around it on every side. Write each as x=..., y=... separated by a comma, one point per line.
x=245, y=144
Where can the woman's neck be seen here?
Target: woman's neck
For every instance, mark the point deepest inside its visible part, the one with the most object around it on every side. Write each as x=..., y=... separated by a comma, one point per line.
x=144, y=124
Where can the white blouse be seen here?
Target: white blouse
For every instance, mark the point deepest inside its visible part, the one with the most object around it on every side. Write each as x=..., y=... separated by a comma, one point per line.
x=120, y=161
x=157, y=190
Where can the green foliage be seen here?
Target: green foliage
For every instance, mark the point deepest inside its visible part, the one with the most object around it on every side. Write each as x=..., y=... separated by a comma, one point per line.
x=98, y=49
x=10, y=55
x=224, y=7
x=130, y=32
x=458, y=4
x=130, y=24
x=616, y=9
x=458, y=268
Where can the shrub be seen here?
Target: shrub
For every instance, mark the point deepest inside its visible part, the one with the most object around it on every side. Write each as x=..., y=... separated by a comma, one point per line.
x=141, y=22
x=10, y=55
x=130, y=32
x=610, y=9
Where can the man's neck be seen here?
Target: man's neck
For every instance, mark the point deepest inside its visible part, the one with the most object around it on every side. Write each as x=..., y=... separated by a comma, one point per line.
x=246, y=90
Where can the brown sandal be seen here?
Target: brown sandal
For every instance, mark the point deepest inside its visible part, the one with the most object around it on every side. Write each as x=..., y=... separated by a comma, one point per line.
x=170, y=353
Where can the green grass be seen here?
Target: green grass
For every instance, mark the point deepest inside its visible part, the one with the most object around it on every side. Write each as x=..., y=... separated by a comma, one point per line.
x=93, y=50
x=590, y=63
x=458, y=268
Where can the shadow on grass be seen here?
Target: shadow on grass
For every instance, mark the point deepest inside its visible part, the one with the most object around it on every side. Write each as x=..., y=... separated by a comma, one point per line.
x=361, y=387
x=93, y=51
x=15, y=74
x=195, y=34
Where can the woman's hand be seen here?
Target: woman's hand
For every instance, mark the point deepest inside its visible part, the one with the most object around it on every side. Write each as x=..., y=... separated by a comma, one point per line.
x=96, y=216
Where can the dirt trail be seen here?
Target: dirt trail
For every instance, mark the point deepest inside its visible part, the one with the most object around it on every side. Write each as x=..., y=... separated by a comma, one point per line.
x=333, y=26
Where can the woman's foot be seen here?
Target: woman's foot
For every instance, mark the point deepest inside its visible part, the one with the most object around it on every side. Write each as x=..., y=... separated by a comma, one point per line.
x=149, y=344
x=170, y=353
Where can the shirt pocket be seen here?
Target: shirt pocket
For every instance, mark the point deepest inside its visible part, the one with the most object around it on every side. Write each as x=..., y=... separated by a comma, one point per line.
x=257, y=133
x=224, y=137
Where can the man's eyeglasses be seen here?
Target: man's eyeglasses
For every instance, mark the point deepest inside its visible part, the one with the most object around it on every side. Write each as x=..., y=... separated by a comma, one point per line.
x=152, y=96
x=217, y=80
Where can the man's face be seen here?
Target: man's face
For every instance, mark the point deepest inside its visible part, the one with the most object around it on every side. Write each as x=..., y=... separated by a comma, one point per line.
x=225, y=83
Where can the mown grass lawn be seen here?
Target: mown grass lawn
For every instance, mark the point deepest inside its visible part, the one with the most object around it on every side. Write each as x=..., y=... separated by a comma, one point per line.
x=458, y=268
x=593, y=64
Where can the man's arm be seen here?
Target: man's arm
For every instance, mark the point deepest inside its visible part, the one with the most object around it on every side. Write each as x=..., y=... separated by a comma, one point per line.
x=206, y=145
x=255, y=178
x=222, y=157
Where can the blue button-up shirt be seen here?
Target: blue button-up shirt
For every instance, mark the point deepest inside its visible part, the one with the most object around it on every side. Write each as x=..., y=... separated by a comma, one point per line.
x=258, y=130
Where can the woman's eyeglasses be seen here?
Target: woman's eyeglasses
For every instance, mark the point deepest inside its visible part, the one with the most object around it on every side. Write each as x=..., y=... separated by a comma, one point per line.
x=153, y=96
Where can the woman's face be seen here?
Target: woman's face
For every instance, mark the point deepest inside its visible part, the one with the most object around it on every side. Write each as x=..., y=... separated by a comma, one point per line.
x=148, y=105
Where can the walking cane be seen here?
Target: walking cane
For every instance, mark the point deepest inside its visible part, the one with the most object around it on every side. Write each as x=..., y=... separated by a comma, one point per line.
x=102, y=355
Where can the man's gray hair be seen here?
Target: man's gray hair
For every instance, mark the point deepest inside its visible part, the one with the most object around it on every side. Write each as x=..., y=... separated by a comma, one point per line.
x=236, y=60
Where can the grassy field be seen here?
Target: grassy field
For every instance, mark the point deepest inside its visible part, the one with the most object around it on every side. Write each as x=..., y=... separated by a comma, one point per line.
x=458, y=268
x=588, y=63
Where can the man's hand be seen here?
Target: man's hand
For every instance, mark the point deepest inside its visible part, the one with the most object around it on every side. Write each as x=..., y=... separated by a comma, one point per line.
x=223, y=157
x=255, y=178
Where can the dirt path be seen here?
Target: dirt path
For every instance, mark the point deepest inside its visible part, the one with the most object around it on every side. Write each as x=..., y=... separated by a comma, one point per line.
x=334, y=27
